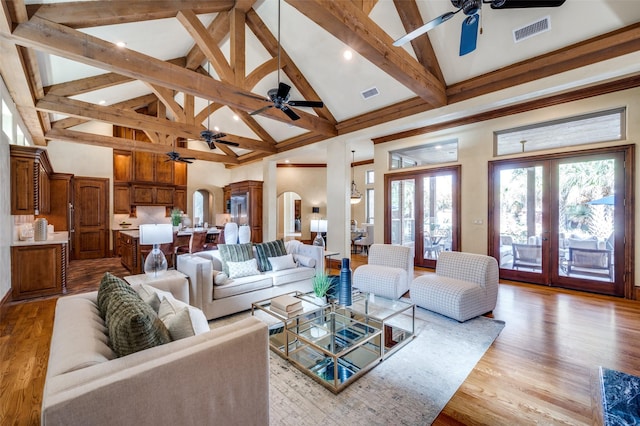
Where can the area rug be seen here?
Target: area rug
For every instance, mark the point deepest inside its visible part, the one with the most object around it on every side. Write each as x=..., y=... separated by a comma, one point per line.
x=620, y=397
x=410, y=387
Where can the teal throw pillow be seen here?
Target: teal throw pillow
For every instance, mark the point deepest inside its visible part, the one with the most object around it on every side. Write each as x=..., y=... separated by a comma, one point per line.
x=269, y=249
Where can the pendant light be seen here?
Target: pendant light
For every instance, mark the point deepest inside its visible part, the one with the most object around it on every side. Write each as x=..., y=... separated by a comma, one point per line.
x=356, y=197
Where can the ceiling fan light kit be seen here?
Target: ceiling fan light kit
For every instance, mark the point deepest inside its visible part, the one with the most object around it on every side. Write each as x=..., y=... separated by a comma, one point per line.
x=470, y=25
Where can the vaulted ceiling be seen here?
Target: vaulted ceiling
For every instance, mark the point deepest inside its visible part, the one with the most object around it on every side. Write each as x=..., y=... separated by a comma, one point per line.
x=192, y=65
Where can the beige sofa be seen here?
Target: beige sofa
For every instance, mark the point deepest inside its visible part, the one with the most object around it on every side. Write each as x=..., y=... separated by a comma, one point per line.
x=236, y=295
x=218, y=377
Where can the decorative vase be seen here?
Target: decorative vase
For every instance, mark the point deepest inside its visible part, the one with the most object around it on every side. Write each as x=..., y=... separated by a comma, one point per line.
x=344, y=290
x=40, y=229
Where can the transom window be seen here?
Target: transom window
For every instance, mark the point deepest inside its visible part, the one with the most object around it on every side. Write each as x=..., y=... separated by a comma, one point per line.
x=431, y=153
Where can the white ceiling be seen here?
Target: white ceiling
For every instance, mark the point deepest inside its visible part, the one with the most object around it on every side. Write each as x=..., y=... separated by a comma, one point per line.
x=339, y=82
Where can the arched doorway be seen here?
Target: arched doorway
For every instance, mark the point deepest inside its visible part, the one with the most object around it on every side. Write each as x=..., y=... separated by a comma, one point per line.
x=289, y=223
x=202, y=207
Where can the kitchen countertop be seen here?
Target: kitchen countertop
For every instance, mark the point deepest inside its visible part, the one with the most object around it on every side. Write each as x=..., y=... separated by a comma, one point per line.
x=61, y=237
x=188, y=231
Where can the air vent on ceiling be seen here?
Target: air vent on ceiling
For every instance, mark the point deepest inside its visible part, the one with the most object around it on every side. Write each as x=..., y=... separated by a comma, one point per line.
x=370, y=93
x=533, y=29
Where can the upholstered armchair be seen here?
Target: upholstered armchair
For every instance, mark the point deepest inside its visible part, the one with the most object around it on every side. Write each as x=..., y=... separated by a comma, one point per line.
x=388, y=271
x=366, y=241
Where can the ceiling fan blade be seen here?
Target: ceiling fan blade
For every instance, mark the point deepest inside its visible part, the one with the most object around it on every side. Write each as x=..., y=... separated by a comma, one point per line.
x=248, y=95
x=469, y=35
x=522, y=4
x=312, y=104
x=283, y=90
x=258, y=111
x=228, y=143
x=292, y=115
x=184, y=160
x=426, y=27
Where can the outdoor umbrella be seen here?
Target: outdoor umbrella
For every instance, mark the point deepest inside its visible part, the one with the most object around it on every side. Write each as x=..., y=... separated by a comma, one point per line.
x=609, y=200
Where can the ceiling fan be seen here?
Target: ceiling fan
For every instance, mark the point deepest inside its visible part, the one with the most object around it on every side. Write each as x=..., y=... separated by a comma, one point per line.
x=175, y=156
x=471, y=8
x=212, y=138
x=279, y=97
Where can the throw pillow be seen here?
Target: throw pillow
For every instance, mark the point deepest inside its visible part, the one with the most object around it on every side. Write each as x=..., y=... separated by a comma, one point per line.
x=243, y=269
x=219, y=277
x=303, y=260
x=282, y=262
x=269, y=249
x=152, y=296
x=134, y=326
x=181, y=319
x=110, y=285
x=234, y=253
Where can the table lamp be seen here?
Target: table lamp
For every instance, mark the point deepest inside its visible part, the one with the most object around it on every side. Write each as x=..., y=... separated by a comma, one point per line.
x=155, y=264
x=319, y=226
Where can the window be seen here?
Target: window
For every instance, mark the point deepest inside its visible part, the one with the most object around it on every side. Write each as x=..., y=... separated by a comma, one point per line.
x=432, y=153
x=369, y=177
x=599, y=126
x=7, y=121
x=369, y=199
x=198, y=208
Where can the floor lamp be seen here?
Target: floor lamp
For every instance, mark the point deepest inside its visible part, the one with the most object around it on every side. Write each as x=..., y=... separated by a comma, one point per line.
x=156, y=263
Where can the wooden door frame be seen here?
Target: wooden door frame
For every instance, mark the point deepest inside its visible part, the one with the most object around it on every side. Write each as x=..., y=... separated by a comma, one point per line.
x=456, y=177
x=628, y=152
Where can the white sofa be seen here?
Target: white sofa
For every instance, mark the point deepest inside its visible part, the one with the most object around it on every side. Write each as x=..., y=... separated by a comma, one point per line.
x=237, y=295
x=217, y=377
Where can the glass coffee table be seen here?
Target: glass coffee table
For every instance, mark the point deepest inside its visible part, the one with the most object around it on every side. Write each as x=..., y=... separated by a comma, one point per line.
x=335, y=345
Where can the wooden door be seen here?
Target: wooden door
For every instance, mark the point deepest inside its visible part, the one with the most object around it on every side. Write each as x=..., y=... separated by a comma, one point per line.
x=91, y=218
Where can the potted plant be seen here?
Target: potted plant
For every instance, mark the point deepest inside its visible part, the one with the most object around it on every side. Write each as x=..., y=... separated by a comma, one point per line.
x=176, y=218
x=321, y=285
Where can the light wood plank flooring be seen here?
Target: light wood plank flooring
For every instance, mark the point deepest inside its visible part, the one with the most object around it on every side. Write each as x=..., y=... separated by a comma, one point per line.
x=542, y=369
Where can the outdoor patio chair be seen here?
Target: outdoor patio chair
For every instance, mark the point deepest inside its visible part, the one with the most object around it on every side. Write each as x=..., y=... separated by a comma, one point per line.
x=590, y=262
x=527, y=256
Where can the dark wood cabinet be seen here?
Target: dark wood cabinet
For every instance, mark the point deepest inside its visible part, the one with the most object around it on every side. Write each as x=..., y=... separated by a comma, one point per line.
x=38, y=270
x=129, y=250
x=121, y=198
x=180, y=199
x=122, y=166
x=244, y=201
x=179, y=173
x=60, y=201
x=153, y=168
x=148, y=195
x=30, y=169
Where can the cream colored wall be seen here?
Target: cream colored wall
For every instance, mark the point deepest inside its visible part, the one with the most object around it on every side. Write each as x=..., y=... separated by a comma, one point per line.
x=5, y=218
x=311, y=184
x=475, y=150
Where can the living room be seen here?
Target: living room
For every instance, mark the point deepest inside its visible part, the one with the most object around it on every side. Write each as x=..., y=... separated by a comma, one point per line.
x=327, y=182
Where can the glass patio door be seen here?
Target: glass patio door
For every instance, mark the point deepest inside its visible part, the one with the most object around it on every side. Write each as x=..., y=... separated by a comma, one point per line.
x=423, y=212
x=560, y=221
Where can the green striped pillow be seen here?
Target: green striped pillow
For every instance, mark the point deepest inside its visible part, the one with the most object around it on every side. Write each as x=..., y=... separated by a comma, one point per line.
x=269, y=249
x=234, y=253
x=111, y=286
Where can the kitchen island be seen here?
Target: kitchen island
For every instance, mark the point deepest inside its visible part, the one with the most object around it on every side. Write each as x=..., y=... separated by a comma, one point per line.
x=132, y=253
x=39, y=268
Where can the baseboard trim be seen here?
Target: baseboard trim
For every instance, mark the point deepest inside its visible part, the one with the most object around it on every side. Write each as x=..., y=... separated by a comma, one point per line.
x=636, y=293
x=5, y=298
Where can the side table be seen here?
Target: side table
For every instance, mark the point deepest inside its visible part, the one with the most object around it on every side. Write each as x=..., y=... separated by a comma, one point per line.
x=171, y=280
x=327, y=256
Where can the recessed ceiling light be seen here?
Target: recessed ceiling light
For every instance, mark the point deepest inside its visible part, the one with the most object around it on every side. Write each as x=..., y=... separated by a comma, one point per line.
x=438, y=146
x=216, y=128
x=121, y=44
x=347, y=54
x=235, y=117
x=102, y=102
x=286, y=161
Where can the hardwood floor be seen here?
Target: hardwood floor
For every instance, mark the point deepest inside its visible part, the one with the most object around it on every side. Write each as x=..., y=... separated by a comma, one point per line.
x=542, y=369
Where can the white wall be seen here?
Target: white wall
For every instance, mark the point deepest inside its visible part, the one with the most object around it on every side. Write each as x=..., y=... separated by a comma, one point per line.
x=5, y=217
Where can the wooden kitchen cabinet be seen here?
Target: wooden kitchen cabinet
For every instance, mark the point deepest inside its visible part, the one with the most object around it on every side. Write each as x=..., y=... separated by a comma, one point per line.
x=122, y=166
x=179, y=173
x=244, y=201
x=121, y=198
x=147, y=195
x=30, y=169
x=38, y=270
x=180, y=199
x=129, y=251
x=150, y=167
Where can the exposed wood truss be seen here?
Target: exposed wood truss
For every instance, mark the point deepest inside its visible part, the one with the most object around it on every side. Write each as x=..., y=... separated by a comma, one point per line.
x=174, y=85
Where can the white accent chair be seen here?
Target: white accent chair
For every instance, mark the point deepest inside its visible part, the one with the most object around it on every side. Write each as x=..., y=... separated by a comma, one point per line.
x=388, y=271
x=464, y=286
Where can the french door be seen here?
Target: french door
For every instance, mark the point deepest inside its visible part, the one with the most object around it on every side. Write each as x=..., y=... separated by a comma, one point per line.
x=422, y=210
x=561, y=220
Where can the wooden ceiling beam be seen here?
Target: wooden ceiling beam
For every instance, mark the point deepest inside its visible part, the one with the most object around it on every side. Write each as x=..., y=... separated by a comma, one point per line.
x=237, y=57
x=131, y=144
x=260, y=30
x=87, y=14
x=411, y=19
x=219, y=29
x=120, y=117
x=348, y=23
x=166, y=96
x=71, y=44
